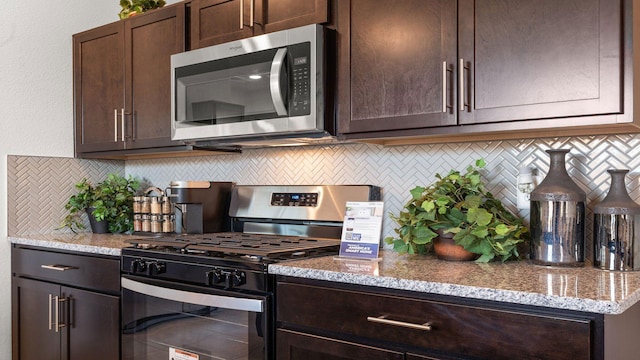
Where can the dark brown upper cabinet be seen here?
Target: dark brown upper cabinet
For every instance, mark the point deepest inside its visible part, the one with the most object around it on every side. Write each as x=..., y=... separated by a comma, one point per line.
x=523, y=60
x=396, y=64
x=122, y=83
x=483, y=69
x=218, y=21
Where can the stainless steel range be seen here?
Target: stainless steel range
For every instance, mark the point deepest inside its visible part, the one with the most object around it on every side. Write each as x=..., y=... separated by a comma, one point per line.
x=209, y=296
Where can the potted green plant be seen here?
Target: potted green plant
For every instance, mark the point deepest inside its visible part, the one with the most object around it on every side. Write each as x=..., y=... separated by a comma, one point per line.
x=459, y=204
x=110, y=200
x=133, y=7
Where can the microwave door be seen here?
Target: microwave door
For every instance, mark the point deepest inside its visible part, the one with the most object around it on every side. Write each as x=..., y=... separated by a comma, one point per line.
x=277, y=78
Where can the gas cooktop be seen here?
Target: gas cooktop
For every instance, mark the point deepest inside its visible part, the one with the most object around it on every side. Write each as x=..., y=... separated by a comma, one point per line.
x=229, y=244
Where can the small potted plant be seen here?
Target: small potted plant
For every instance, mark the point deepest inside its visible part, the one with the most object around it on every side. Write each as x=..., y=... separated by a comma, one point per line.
x=109, y=205
x=133, y=7
x=458, y=206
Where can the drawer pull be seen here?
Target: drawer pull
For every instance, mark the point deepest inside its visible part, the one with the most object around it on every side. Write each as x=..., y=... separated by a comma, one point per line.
x=58, y=267
x=383, y=320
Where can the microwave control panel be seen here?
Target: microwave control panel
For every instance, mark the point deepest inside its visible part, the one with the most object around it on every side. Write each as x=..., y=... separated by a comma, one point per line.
x=299, y=63
x=294, y=199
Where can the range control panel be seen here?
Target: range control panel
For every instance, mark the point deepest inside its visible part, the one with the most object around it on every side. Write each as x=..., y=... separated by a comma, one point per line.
x=294, y=199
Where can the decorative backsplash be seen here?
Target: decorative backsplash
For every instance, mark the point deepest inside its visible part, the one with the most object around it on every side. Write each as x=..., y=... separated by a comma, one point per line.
x=395, y=169
x=39, y=187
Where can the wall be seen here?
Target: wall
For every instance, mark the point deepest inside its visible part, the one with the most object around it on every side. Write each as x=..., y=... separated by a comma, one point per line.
x=36, y=103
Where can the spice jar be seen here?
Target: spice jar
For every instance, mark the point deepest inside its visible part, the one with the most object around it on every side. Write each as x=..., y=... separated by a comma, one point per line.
x=168, y=224
x=137, y=204
x=156, y=205
x=166, y=205
x=146, y=205
x=137, y=222
x=146, y=223
x=156, y=223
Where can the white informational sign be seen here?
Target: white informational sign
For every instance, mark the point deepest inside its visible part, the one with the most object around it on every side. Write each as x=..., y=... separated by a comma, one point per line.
x=361, y=230
x=177, y=354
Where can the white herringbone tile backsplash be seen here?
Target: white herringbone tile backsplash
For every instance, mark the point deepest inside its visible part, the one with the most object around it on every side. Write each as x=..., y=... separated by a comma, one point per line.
x=395, y=169
x=39, y=187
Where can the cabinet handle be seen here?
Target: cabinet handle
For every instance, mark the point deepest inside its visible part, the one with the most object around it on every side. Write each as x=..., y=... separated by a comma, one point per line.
x=57, y=312
x=444, y=86
x=133, y=127
x=383, y=320
x=115, y=125
x=122, y=124
x=49, y=310
x=461, y=80
x=58, y=267
x=241, y=14
x=59, y=324
x=251, y=13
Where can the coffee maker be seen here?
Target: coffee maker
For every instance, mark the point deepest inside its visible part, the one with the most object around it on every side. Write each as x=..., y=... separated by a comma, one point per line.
x=203, y=206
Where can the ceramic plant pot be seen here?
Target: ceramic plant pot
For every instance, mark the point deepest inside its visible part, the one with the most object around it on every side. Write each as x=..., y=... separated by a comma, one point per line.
x=446, y=249
x=97, y=227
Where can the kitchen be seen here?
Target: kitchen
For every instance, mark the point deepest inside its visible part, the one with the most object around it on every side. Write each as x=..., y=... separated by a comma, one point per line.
x=396, y=169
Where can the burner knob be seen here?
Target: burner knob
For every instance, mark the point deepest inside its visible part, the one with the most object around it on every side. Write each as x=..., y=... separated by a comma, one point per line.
x=154, y=268
x=138, y=265
x=214, y=276
x=235, y=278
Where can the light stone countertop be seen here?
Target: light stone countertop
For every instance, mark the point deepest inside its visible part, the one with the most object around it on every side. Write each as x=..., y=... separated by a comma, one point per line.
x=104, y=244
x=582, y=289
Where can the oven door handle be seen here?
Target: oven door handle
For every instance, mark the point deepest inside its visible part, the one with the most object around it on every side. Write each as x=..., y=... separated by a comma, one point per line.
x=277, y=66
x=226, y=302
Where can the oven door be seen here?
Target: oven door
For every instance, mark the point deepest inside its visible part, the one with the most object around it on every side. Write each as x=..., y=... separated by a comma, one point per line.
x=165, y=320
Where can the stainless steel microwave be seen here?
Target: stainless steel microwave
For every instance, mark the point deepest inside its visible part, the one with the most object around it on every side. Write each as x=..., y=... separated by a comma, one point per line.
x=264, y=87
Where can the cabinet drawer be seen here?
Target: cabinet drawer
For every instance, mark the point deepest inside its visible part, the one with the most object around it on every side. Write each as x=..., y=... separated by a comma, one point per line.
x=466, y=331
x=85, y=271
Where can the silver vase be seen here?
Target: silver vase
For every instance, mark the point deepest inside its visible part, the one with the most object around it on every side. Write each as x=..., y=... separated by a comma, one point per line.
x=557, y=217
x=615, y=234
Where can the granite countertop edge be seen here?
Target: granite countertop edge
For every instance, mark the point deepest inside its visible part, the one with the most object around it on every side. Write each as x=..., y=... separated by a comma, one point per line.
x=466, y=291
x=101, y=244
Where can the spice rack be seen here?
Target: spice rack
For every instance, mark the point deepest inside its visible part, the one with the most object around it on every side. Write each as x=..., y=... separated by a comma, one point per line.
x=153, y=214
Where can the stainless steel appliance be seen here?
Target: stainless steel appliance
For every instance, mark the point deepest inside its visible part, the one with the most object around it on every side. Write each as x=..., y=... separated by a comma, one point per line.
x=202, y=205
x=268, y=86
x=210, y=295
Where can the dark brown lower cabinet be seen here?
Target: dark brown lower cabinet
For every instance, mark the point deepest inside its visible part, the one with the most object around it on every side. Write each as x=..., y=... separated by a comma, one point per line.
x=57, y=320
x=295, y=345
x=325, y=320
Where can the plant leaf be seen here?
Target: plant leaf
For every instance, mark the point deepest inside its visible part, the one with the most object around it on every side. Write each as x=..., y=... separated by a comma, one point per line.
x=480, y=216
x=416, y=192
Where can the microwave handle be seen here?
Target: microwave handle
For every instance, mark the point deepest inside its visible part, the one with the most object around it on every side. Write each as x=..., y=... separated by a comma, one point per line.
x=277, y=66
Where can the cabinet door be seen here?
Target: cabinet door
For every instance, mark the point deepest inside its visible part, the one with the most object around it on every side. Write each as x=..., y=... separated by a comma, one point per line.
x=150, y=40
x=34, y=335
x=218, y=21
x=286, y=14
x=396, y=64
x=94, y=325
x=98, y=72
x=293, y=345
x=539, y=59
